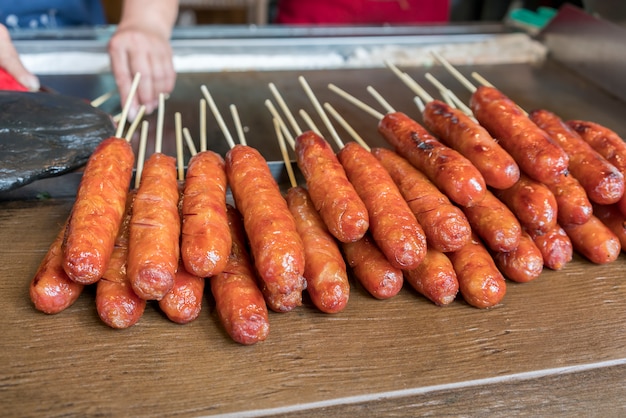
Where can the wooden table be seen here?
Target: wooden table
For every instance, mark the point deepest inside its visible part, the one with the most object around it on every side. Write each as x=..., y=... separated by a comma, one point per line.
x=555, y=346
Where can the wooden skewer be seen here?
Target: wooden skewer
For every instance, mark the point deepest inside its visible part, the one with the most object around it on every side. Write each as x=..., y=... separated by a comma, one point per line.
x=218, y=116
x=410, y=83
x=189, y=142
x=346, y=126
x=281, y=122
x=482, y=80
x=285, y=154
x=179, y=146
x=141, y=155
x=158, y=145
x=100, y=100
x=380, y=99
x=309, y=121
x=203, y=140
x=456, y=102
x=358, y=103
x=283, y=106
x=129, y=99
x=238, y=126
x=419, y=103
x=133, y=126
x=320, y=111
x=460, y=77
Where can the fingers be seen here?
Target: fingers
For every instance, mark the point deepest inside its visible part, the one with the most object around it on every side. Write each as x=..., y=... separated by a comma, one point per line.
x=10, y=61
x=134, y=52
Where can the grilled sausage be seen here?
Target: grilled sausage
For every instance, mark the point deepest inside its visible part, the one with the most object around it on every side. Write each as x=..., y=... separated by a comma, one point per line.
x=572, y=201
x=594, y=240
x=445, y=225
x=532, y=202
x=238, y=300
x=523, y=264
x=434, y=278
x=205, y=237
x=325, y=268
x=98, y=211
x=117, y=304
x=614, y=219
x=392, y=224
x=276, y=246
x=480, y=282
x=455, y=129
x=183, y=303
x=372, y=269
x=452, y=173
x=602, y=181
x=153, y=248
x=555, y=246
x=494, y=222
x=533, y=150
x=334, y=197
x=51, y=290
x=607, y=143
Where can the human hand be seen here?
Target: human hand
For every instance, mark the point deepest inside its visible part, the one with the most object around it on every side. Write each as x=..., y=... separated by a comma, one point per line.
x=10, y=61
x=141, y=44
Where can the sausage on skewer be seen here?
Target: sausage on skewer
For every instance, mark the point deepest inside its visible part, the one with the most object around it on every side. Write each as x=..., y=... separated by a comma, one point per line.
x=445, y=225
x=51, y=290
x=98, y=211
x=480, y=282
x=205, y=237
x=238, y=301
x=372, y=269
x=341, y=208
x=434, y=278
x=117, y=304
x=602, y=181
x=276, y=246
x=534, y=151
x=607, y=143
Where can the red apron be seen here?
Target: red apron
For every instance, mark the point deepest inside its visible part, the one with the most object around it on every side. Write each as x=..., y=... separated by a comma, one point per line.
x=348, y=12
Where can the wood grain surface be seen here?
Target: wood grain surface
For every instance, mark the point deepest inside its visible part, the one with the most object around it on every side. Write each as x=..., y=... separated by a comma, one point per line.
x=556, y=344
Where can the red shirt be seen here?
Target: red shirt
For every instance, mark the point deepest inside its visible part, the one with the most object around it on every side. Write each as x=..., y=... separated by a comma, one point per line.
x=346, y=12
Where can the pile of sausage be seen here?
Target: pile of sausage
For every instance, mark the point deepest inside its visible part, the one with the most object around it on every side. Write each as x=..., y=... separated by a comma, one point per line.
x=449, y=209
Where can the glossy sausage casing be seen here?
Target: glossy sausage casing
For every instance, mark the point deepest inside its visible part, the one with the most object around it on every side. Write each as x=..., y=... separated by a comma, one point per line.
x=98, y=211
x=183, y=303
x=594, y=240
x=523, y=264
x=455, y=129
x=276, y=246
x=480, y=282
x=239, y=302
x=445, y=225
x=534, y=151
x=532, y=202
x=325, y=269
x=434, y=278
x=153, y=249
x=392, y=224
x=607, y=143
x=116, y=302
x=372, y=269
x=51, y=290
x=494, y=222
x=205, y=237
x=339, y=205
x=451, y=172
x=572, y=201
x=554, y=245
x=602, y=181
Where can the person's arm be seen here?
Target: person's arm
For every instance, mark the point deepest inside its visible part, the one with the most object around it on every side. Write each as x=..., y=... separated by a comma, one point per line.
x=141, y=44
x=11, y=63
